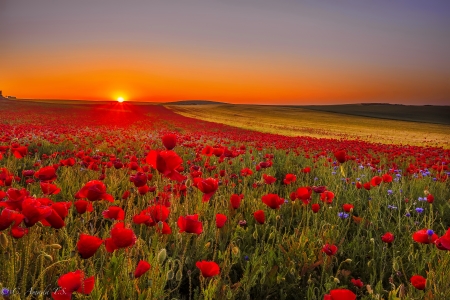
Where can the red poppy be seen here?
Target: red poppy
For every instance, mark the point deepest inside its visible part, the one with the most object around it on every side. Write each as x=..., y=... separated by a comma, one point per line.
x=289, y=178
x=94, y=190
x=357, y=282
x=73, y=282
x=388, y=238
x=340, y=294
x=341, y=156
x=273, y=201
x=418, y=282
x=236, y=200
x=114, y=212
x=82, y=206
x=329, y=249
x=319, y=189
x=376, y=181
x=163, y=228
x=190, y=224
x=315, y=207
x=347, y=207
x=60, y=210
x=121, y=237
x=159, y=213
x=246, y=172
x=15, y=198
x=430, y=198
x=220, y=220
x=367, y=186
x=386, y=178
x=47, y=174
x=8, y=217
x=425, y=236
x=34, y=211
x=208, y=268
x=259, y=216
x=49, y=188
x=87, y=245
x=207, y=186
x=269, y=179
x=304, y=193
x=169, y=141
x=166, y=162
x=142, y=267
x=139, y=179
x=327, y=197
x=443, y=241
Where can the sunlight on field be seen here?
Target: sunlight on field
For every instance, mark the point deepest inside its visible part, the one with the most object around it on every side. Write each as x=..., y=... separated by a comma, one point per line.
x=294, y=121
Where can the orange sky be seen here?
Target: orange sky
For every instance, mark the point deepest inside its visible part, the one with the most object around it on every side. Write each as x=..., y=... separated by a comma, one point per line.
x=289, y=54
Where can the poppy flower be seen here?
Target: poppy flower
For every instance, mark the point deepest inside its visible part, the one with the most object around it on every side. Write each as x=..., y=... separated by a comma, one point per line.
x=246, y=172
x=121, y=237
x=220, y=220
x=425, y=236
x=388, y=238
x=207, y=186
x=169, y=141
x=159, y=213
x=430, y=198
x=315, y=207
x=114, y=212
x=235, y=200
x=82, y=206
x=60, y=210
x=443, y=241
x=366, y=186
x=19, y=151
x=273, y=201
x=163, y=228
x=139, y=179
x=340, y=294
x=142, y=267
x=259, y=216
x=49, y=189
x=386, y=178
x=15, y=198
x=208, y=151
x=47, y=174
x=329, y=249
x=327, y=197
x=319, y=189
x=8, y=217
x=208, y=268
x=347, y=207
x=376, y=181
x=269, y=179
x=73, y=282
x=357, y=282
x=190, y=224
x=34, y=211
x=87, y=245
x=289, y=178
x=94, y=190
x=418, y=282
x=166, y=162
x=341, y=156
x=304, y=193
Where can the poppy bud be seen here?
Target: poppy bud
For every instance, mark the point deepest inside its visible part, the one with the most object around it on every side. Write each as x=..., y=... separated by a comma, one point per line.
x=162, y=256
x=3, y=240
x=55, y=246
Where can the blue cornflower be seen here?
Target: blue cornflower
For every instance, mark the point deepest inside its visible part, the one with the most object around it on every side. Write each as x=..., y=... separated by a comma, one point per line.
x=430, y=232
x=5, y=292
x=419, y=210
x=334, y=173
x=342, y=215
x=389, y=192
x=246, y=258
x=407, y=214
x=392, y=206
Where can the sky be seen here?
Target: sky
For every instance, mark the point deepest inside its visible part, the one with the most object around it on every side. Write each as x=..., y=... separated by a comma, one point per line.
x=237, y=51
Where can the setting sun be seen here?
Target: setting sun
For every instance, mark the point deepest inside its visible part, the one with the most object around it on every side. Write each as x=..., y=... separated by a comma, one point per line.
x=120, y=99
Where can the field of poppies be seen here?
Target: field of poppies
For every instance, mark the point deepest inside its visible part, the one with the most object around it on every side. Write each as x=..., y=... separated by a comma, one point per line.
x=123, y=201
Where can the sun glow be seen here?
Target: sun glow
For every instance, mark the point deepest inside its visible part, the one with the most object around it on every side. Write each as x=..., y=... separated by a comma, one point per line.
x=120, y=99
